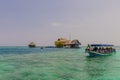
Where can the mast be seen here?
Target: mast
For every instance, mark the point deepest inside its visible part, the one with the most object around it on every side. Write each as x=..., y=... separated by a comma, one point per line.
x=69, y=36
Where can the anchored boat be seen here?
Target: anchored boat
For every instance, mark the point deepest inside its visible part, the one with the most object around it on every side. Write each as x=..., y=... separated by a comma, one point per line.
x=100, y=50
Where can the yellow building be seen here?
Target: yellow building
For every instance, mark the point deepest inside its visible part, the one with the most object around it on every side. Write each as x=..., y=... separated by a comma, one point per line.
x=60, y=42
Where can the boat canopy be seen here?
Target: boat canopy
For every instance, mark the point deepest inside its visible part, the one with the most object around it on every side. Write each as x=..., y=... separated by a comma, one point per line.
x=102, y=45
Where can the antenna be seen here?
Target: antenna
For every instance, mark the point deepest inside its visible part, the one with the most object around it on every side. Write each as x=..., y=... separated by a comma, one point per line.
x=69, y=36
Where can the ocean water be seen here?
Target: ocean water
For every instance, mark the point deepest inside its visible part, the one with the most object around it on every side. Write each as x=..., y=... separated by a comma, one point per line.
x=23, y=63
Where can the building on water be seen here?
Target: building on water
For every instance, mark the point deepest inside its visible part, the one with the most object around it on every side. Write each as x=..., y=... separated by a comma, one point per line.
x=32, y=45
x=72, y=44
x=62, y=42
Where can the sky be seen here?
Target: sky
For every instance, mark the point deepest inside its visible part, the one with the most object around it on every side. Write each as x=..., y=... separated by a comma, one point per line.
x=44, y=21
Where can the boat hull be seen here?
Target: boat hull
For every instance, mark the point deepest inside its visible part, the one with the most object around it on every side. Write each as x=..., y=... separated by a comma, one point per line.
x=94, y=54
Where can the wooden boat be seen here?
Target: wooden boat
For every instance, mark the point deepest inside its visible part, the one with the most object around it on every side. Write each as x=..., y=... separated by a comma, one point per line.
x=100, y=50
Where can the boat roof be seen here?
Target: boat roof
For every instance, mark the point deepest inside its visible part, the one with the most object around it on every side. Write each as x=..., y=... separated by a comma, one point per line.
x=102, y=45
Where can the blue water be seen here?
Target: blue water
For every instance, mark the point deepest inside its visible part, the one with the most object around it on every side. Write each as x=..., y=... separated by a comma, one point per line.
x=23, y=63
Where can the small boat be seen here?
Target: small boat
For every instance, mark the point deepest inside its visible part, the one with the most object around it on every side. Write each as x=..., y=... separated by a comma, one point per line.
x=100, y=50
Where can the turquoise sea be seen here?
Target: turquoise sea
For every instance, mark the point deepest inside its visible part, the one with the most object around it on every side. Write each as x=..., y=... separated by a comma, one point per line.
x=23, y=63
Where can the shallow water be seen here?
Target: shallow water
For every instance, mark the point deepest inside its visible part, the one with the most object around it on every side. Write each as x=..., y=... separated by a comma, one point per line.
x=23, y=63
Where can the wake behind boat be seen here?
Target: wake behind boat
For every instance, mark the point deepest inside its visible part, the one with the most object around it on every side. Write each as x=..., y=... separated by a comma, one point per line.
x=100, y=50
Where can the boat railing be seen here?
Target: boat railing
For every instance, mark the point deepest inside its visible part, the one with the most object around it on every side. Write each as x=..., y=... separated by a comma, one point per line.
x=101, y=50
